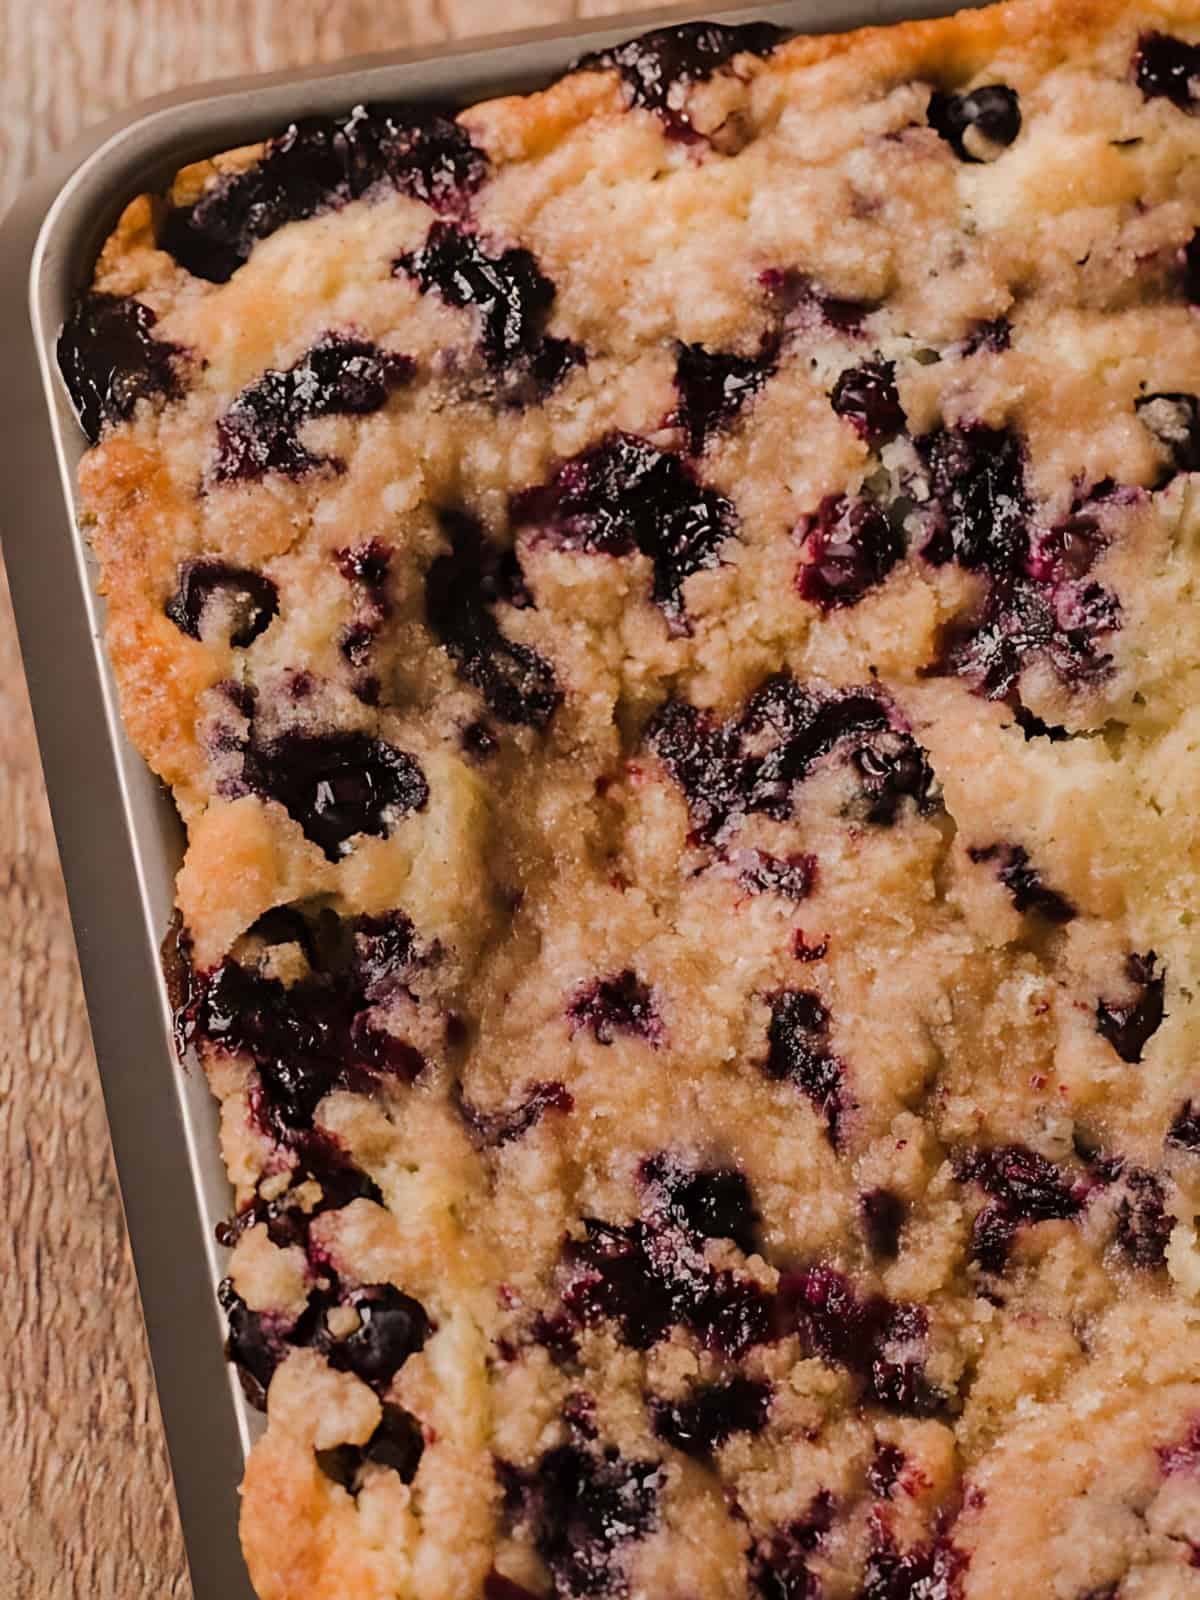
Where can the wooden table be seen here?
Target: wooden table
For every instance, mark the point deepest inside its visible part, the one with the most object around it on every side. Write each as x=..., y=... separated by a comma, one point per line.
x=85, y=1500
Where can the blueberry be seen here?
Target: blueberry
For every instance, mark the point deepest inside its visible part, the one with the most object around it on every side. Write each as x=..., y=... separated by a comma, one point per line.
x=981, y=511
x=714, y=385
x=320, y=165
x=493, y=1128
x=851, y=547
x=583, y=1506
x=511, y=295
x=1024, y=883
x=883, y=1213
x=798, y=301
x=887, y=1464
x=386, y=954
x=1024, y=1188
x=110, y=359
x=1129, y=1027
x=340, y=376
x=993, y=112
x=517, y=684
x=1184, y=1132
x=867, y=398
x=798, y=1051
x=393, y=1326
x=1144, y=1224
x=622, y=495
x=707, y=1202
x=656, y=65
x=653, y=1274
x=1174, y=420
x=791, y=876
x=337, y=785
x=397, y=1444
x=880, y=1341
x=249, y=1345
x=1166, y=68
x=754, y=762
x=254, y=599
x=779, y=1567
x=366, y=564
x=620, y=1004
x=712, y=1414
x=924, y=1572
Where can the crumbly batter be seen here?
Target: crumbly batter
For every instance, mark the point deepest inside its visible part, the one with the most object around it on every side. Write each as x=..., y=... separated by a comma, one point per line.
x=668, y=609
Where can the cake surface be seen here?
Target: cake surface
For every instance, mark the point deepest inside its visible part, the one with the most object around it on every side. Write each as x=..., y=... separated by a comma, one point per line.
x=668, y=609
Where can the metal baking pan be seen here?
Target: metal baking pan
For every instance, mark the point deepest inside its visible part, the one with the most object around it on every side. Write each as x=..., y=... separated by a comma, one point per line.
x=118, y=834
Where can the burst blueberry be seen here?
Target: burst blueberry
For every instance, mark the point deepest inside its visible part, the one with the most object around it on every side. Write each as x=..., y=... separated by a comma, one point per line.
x=850, y=546
x=392, y=1327
x=321, y=165
x=1128, y=1026
x=110, y=359
x=624, y=494
x=1025, y=884
x=619, y=1004
x=517, y=684
x=714, y=385
x=656, y=67
x=1024, y=1188
x=340, y=376
x=799, y=1052
x=867, y=398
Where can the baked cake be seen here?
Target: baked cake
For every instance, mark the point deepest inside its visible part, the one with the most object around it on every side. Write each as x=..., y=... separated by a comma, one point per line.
x=668, y=607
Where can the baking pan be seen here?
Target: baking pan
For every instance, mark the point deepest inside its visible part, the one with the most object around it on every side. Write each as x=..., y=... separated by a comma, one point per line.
x=118, y=834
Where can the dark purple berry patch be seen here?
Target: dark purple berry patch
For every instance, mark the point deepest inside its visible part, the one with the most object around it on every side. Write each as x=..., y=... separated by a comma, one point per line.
x=1024, y=883
x=337, y=785
x=882, y=1342
x=801, y=304
x=1169, y=69
x=624, y=495
x=582, y=1507
x=1129, y=1026
x=110, y=359
x=799, y=1052
x=706, y=1202
x=659, y=67
x=755, y=762
x=779, y=1568
x=925, y=1572
x=1024, y=1187
x=790, y=876
x=251, y=597
x=714, y=385
x=321, y=165
x=392, y=1327
x=397, y=1444
x=1144, y=1224
x=461, y=588
x=308, y=1037
x=512, y=298
x=620, y=1004
x=340, y=376
x=980, y=511
x=989, y=117
x=850, y=547
x=712, y=1414
x=866, y=397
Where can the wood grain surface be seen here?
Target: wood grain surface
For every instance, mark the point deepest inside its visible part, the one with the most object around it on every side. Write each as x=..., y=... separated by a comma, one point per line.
x=85, y=1499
